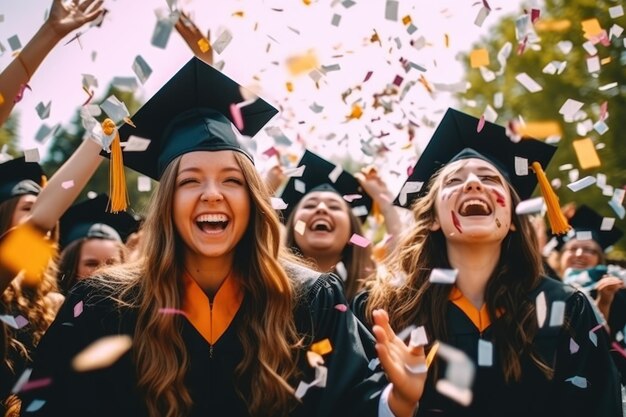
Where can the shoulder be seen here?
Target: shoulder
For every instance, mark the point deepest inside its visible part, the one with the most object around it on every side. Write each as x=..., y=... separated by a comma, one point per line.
x=310, y=283
x=555, y=290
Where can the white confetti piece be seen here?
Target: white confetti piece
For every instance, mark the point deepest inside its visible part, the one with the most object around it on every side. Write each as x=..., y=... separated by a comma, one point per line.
x=462, y=396
x=341, y=270
x=616, y=11
x=521, y=166
x=144, y=184
x=581, y=183
x=391, y=10
x=31, y=155
x=300, y=227
x=557, y=313
x=67, y=184
x=498, y=100
x=222, y=41
x=601, y=127
x=294, y=172
x=528, y=83
x=335, y=173
x=408, y=188
x=162, y=32
x=531, y=206
x=299, y=186
x=21, y=381
x=373, y=364
x=35, y=405
x=481, y=16
x=618, y=195
x=136, y=144
x=618, y=209
x=115, y=109
x=443, y=276
x=141, y=69
x=541, y=307
x=573, y=346
x=335, y=20
x=43, y=110
x=593, y=337
x=278, y=203
x=418, y=337
x=578, y=381
x=565, y=46
x=102, y=353
x=583, y=235
x=570, y=107
x=485, y=353
x=593, y=64
x=607, y=223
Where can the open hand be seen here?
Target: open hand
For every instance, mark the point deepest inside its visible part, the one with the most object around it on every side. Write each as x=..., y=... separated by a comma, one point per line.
x=66, y=16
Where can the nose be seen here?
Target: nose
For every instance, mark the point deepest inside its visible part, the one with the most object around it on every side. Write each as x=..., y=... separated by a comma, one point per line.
x=321, y=206
x=211, y=194
x=472, y=183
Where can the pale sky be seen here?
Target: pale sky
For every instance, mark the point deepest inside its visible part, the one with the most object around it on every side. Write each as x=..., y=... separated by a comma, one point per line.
x=128, y=28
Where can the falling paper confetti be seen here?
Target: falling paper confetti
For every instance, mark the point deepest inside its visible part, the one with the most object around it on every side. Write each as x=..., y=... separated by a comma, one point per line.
x=541, y=308
x=102, y=353
x=78, y=309
x=443, y=276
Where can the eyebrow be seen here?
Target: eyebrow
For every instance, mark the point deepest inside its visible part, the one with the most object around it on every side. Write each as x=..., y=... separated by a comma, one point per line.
x=197, y=170
x=479, y=170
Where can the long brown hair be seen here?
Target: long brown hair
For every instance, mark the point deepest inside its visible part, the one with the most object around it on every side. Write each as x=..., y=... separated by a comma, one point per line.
x=412, y=299
x=269, y=336
x=357, y=260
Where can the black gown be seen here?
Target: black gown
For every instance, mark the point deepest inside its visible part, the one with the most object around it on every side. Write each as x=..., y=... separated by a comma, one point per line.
x=533, y=395
x=352, y=388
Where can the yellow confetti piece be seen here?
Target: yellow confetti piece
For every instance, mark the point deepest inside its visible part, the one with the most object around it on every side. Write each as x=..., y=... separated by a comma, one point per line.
x=551, y=25
x=302, y=63
x=606, y=60
x=591, y=27
x=307, y=2
x=446, y=40
x=479, y=58
x=540, y=130
x=289, y=86
x=204, y=45
x=314, y=359
x=375, y=38
x=431, y=354
x=129, y=122
x=586, y=153
x=322, y=347
x=356, y=112
x=406, y=20
x=238, y=13
x=26, y=250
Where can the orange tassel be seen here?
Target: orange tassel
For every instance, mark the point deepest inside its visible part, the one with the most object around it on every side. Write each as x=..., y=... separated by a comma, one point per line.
x=44, y=181
x=117, y=180
x=556, y=218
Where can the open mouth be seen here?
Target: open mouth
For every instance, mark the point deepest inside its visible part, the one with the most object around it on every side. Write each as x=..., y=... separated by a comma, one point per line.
x=475, y=207
x=212, y=223
x=321, y=225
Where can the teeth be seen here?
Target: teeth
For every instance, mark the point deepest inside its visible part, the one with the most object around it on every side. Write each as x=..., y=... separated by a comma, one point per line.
x=212, y=218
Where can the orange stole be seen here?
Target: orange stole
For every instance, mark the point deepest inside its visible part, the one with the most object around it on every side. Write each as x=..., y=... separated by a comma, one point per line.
x=480, y=318
x=211, y=322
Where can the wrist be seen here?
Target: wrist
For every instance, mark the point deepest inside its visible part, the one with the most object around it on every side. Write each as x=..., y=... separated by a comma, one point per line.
x=51, y=32
x=400, y=405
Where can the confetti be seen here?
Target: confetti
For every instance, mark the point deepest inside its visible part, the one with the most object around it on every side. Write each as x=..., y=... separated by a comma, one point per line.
x=581, y=183
x=67, y=184
x=570, y=108
x=528, y=83
x=359, y=240
x=222, y=41
x=418, y=337
x=115, y=109
x=162, y=32
x=78, y=309
x=607, y=223
x=136, y=144
x=341, y=271
x=540, y=305
x=557, y=313
x=141, y=69
x=578, y=381
x=43, y=110
x=31, y=155
x=102, y=353
x=479, y=58
x=481, y=16
x=443, y=276
x=300, y=227
x=322, y=347
x=573, y=346
x=408, y=188
x=35, y=405
x=341, y=307
x=530, y=206
x=144, y=184
x=278, y=203
x=25, y=249
x=391, y=10
x=485, y=353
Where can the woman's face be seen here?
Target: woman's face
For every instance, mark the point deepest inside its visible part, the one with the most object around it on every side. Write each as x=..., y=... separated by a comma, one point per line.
x=211, y=206
x=580, y=254
x=95, y=253
x=24, y=205
x=473, y=203
x=327, y=224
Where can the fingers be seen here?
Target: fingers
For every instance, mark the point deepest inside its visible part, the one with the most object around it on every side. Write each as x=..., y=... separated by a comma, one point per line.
x=83, y=5
x=381, y=318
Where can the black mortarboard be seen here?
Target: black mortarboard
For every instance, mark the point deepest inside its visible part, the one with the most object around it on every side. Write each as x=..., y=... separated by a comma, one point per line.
x=90, y=219
x=457, y=137
x=193, y=111
x=18, y=177
x=588, y=220
x=317, y=177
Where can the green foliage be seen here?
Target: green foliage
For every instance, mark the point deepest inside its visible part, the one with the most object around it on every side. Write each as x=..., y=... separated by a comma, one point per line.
x=575, y=82
x=8, y=135
x=68, y=139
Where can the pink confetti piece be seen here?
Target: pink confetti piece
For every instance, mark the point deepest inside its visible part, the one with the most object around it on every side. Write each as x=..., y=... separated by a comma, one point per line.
x=604, y=107
x=368, y=75
x=67, y=184
x=20, y=321
x=351, y=197
x=36, y=384
x=397, y=81
x=359, y=240
x=486, y=5
x=169, y=310
x=573, y=346
x=235, y=112
x=270, y=152
x=481, y=124
x=534, y=15
x=78, y=309
x=618, y=349
x=341, y=307
x=409, y=170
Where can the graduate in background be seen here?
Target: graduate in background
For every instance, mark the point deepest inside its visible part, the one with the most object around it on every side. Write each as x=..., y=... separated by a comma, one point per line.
x=91, y=237
x=583, y=265
x=501, y=356
x=220, y=321
x=64, y=17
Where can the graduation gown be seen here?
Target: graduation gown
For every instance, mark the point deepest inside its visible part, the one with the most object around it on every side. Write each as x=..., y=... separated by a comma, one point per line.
x=351, y=389
x=533, y=395
x=617, y=326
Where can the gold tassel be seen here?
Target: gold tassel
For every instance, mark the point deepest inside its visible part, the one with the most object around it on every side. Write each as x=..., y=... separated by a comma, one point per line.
x=117, y=180
x=44, y=181
x=556, y=218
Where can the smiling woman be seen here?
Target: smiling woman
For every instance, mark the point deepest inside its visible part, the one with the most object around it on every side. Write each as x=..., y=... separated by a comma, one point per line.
x=493, y=314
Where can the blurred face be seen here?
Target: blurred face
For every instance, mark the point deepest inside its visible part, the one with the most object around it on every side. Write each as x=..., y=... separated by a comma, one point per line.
x=95, y=253
x=473, y=203
x=24, y=205
x=580, y=254
x=211, y=206
x=327, y=224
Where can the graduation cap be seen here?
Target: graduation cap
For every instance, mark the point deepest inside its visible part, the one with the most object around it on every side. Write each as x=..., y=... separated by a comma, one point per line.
x=587, y=220
x=321, y=175
x=457, y=137
x=194, y=111
x=89, y=219
x=18, y=177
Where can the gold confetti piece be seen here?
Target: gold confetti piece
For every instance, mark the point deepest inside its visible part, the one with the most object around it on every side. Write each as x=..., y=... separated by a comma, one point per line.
x=356, y=112
x=239, y=14
x=586, y=153
x=606, y=60
x=322, y=347
x=204, y=45
x=591, y=27
x=307, y=2
x=540, y=130
x=431, y=354
x=26, y=250
x=289, y=86
x=102, y=353
x=406, y=20
x=376, y=38
x=130, y=122
x=300, y=64
x=446, y=40
x=314, y=359
x=551, y=25
x=479, y=58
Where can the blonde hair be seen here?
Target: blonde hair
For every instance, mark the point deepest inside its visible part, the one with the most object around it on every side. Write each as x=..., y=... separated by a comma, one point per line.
x=269, y=335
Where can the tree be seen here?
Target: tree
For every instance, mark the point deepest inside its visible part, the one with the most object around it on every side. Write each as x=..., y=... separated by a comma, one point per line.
x=69, y=138
x=562, y=20
x=8, y=135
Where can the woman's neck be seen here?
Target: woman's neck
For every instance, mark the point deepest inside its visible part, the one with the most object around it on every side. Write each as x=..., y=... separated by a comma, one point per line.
x=209, y=273
x=475, y=264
